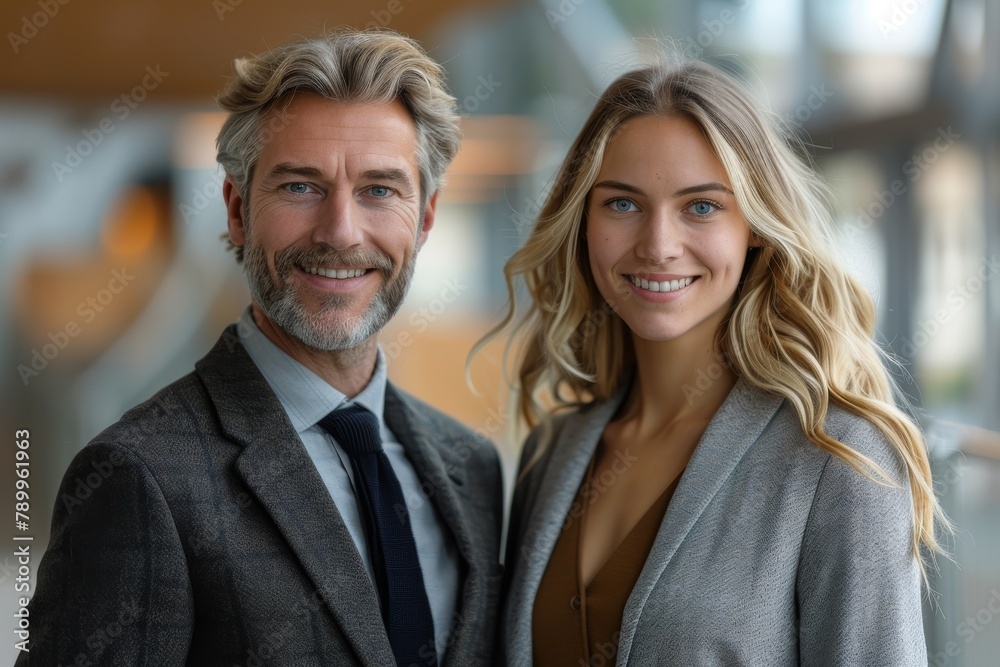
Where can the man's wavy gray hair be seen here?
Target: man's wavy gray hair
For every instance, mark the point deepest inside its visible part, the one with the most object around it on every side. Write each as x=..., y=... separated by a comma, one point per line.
x=368, y=66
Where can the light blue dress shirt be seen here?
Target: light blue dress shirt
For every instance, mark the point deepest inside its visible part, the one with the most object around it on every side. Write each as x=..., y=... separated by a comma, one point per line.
x=307, y=398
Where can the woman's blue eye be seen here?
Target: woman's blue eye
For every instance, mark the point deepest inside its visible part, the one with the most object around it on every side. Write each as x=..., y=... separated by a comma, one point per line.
x=702, y=207
x=379, y=191
x=623, y=205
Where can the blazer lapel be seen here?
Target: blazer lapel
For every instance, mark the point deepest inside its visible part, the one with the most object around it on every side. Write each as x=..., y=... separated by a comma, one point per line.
x=737, y=424
x=276, y=467
x=560, y=483
x=442, y=468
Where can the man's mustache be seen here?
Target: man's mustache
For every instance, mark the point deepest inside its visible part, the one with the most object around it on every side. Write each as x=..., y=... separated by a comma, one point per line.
x=285, y=260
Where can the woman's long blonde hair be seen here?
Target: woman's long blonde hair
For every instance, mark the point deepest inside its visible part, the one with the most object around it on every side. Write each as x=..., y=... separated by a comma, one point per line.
x=800, y=325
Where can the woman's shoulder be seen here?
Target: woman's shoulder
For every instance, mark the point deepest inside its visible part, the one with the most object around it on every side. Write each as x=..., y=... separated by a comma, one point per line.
x=862, y=435
x=783, y=439
x=548, y=435
x=547, y=431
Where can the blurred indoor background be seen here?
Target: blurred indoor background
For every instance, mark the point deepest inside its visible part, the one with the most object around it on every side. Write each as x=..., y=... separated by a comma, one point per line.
x=113, y=280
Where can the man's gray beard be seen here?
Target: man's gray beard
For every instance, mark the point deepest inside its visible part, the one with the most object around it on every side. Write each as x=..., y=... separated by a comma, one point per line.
x=281, y=305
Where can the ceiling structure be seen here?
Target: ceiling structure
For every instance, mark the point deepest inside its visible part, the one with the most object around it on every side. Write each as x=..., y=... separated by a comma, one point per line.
x=100, y=49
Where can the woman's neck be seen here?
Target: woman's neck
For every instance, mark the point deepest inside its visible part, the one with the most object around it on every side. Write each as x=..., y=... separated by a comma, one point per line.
x=677, y=380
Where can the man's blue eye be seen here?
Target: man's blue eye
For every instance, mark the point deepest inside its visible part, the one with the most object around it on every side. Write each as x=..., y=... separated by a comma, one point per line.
x=298, y=188
x=623, y=205
x=379, y=191
x=702, y=207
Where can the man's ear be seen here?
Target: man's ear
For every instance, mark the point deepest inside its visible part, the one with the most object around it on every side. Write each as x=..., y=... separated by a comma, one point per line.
x=428, y=221
x=234, y=209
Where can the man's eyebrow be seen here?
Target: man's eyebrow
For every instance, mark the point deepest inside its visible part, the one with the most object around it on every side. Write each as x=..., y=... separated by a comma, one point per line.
x=289, y=169
x=390, y=174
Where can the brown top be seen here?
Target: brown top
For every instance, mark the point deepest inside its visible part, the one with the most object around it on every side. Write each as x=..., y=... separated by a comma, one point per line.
x=573, y=624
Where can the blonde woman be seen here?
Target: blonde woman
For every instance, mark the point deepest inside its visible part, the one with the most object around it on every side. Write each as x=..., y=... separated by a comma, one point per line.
x=725, y=479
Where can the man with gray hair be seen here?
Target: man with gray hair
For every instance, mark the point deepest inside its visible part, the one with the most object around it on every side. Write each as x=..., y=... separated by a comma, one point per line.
x=285, y=504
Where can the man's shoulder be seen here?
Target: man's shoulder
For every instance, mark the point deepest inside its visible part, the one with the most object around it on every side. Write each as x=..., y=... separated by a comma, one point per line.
x=427, y=411
x=175, y=413
x=447, y=430
x=184, y=415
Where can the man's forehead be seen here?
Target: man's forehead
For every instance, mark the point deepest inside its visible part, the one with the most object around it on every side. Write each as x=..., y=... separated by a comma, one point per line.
x=366, y=134
x=355, y=151
x=325, y=160
x=317, y=114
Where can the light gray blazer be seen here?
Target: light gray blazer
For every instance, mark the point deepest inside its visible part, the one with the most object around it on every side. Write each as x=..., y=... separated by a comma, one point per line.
x=771, y=552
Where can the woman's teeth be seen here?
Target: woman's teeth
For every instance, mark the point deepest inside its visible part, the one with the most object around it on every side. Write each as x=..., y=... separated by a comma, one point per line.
x=665, y=286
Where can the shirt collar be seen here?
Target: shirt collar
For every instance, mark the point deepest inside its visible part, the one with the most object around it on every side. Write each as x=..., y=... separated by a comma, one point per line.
x=305, y=396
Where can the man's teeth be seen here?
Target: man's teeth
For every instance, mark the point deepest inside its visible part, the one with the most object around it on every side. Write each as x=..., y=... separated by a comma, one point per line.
x=665, y=286
x=334, y=273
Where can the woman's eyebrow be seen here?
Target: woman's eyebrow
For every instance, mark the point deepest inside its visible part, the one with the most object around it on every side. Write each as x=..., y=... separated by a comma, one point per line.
x=618, y=185
x=691, y=189
x=703, y=187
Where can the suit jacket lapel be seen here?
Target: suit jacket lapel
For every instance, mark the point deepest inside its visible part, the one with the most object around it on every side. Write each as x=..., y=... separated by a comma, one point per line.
x=441, y=468
x=278, y=470
x=737, y=424
x=571, y=452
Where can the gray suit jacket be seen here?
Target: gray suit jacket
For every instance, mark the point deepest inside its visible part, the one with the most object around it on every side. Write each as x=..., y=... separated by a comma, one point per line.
x=197, y=531
x=771, y=552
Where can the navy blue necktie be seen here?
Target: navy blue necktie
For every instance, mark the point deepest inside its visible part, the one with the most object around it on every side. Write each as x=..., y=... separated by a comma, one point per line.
x=393, y=552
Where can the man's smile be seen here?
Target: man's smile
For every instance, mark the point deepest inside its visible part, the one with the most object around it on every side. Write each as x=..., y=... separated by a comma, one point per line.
x=330, y=272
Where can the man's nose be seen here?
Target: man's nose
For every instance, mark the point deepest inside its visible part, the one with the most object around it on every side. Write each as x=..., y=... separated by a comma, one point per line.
x=338, y=223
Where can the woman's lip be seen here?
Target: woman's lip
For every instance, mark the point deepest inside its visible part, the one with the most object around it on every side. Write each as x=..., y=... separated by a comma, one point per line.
x=650, y=295
x=660, y=277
